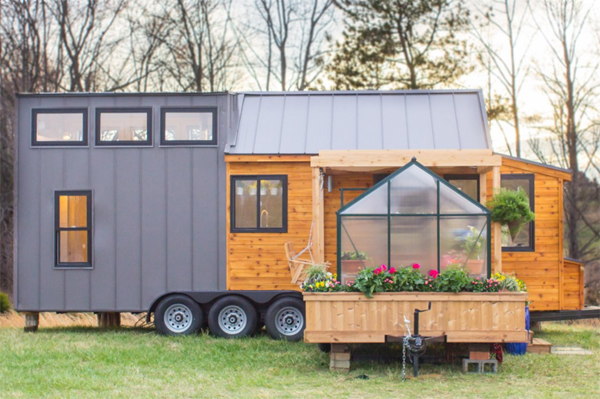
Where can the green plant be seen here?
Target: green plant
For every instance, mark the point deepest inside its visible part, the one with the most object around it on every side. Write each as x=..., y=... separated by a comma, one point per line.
x=354, y=255
x=453, y=279
x=481, y=284
x=371, y=280
x=509, y=282
x=316, y=272
x=5, y=304
x=318, y=279
x=511, y=208
x=408, y=279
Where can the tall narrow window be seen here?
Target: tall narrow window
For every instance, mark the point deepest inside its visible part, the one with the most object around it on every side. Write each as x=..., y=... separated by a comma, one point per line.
x=525, y=240
x=73, y=228
x=188, y=126
x=259, y=204
x=124, y=126
x=59, y=127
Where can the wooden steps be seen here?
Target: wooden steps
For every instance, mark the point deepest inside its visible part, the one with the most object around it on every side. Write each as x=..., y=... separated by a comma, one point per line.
x=539, y=346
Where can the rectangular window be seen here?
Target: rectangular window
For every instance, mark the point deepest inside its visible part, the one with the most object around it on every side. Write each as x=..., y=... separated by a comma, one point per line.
x=59, y=127
x=124, y=126
x=259, y=204
x=525, y=240
x=73, y=228
x=188, y=126
x=468, y=184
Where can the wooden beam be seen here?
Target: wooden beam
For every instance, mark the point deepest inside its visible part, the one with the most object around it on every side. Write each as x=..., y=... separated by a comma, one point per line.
x=318, y=235
x=561, y=250
x=497, y=244
x=267, y=158
x=351, y=159
x=483, y=188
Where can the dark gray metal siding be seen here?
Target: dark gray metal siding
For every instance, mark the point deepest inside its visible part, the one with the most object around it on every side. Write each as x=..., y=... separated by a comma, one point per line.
x=158, y=213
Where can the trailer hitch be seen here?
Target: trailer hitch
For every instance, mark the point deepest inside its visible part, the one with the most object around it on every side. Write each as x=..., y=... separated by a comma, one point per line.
x=415, y=343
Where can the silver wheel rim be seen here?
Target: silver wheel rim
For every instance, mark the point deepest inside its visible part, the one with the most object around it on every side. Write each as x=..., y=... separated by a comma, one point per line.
x=178, y=318
x=289, y=321
x=232, y=319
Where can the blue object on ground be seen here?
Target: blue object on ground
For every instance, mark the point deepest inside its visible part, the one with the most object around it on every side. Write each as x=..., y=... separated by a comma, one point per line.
x=519, y=348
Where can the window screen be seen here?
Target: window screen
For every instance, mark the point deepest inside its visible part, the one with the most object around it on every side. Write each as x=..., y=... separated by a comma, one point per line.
x=62, y=127
x=124, y=126
x=259, y=204
x=524, y=241
x=188, y=126
x=73, y=228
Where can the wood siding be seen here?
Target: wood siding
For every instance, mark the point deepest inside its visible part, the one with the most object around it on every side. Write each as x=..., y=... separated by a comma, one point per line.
x=462, y=317
x=257, y=260
x=541, y=269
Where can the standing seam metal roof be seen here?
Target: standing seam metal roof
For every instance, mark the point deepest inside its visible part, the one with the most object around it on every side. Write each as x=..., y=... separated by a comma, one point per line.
x=309, y=122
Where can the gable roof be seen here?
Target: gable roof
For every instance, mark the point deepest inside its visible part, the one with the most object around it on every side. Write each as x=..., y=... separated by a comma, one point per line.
x=309, y=122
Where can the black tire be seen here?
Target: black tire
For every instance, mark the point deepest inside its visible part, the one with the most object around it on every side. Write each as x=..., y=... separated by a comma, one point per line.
x=178, y=315
x=232, y=317
x=285, y=319
x=325, y=347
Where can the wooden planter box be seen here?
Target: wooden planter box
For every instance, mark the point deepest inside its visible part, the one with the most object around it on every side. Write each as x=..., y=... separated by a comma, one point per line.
x=340, y=317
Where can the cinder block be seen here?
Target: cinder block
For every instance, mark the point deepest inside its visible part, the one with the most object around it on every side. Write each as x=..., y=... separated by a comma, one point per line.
x=340, y=348
x=339, y=365
x=340, y=356
x=32, y=321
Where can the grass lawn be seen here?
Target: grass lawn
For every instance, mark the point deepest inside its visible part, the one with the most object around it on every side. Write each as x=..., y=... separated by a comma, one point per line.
x=129, y=363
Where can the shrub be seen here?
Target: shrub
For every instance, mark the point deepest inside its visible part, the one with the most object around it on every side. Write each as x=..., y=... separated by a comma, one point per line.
x=409, y=279
x=371, y=280
x=5, y=304
x=480, y=284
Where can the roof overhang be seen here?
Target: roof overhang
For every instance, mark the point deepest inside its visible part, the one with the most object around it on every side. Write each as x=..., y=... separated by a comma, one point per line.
x=374, y=160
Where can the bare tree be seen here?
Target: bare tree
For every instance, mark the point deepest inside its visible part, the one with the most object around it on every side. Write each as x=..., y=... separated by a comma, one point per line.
x=510, y=67
x=197, y=48
x=572, y=90
x=88, y=40
x=287, y=45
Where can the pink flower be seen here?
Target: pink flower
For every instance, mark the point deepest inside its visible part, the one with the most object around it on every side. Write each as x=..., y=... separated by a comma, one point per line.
x=416, y=266
x=377, y=271
x=392, y=270
x=433, y=273
x=383, y=268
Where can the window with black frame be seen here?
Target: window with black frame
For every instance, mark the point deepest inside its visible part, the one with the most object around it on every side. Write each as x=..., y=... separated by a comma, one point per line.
x=124, y=126
x=59, y=127
x=525, y=240
x=259, y=204
x=468, y=184
x=73, y=228
x=188, y=126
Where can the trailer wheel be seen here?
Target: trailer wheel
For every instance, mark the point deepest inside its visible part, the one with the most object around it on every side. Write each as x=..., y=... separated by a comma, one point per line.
x=178, y=315
x=232, y=317
x=285, y=319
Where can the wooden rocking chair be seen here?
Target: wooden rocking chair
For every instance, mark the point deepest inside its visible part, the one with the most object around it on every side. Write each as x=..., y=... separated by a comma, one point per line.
x=297, y=266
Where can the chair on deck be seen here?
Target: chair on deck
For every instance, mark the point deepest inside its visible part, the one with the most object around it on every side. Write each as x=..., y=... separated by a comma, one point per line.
x=298, y=266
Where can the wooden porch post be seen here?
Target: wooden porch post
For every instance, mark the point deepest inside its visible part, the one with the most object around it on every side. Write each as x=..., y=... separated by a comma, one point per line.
x=317, y=217
x=497, y=244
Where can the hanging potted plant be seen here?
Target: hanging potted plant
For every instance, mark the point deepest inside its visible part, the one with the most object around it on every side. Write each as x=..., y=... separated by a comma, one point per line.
x=511, y=208
x=274, y=189
x=252, y=189
x=263, y=188
x=239, y=190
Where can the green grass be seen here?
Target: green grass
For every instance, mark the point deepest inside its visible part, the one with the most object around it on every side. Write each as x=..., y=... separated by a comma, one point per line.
x=131, y=363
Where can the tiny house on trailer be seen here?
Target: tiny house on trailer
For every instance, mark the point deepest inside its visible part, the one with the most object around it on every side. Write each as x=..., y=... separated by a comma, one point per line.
x=180, y=204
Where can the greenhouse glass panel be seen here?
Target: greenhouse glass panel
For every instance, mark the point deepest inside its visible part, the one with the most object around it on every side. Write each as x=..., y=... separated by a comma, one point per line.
x=453, y=202
x=374, y=204
x=463, y=243
x=363, y=244
x=420, y=220
x=414, y=240
x=413, y=191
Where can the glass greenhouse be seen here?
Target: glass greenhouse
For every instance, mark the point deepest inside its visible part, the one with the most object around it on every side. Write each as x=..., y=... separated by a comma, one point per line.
x=413, y=216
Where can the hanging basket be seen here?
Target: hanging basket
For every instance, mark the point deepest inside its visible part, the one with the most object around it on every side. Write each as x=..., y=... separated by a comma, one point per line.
x=515, y=227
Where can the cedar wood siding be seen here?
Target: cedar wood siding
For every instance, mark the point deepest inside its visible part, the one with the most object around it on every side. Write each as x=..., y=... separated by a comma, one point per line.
x=257, y=260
